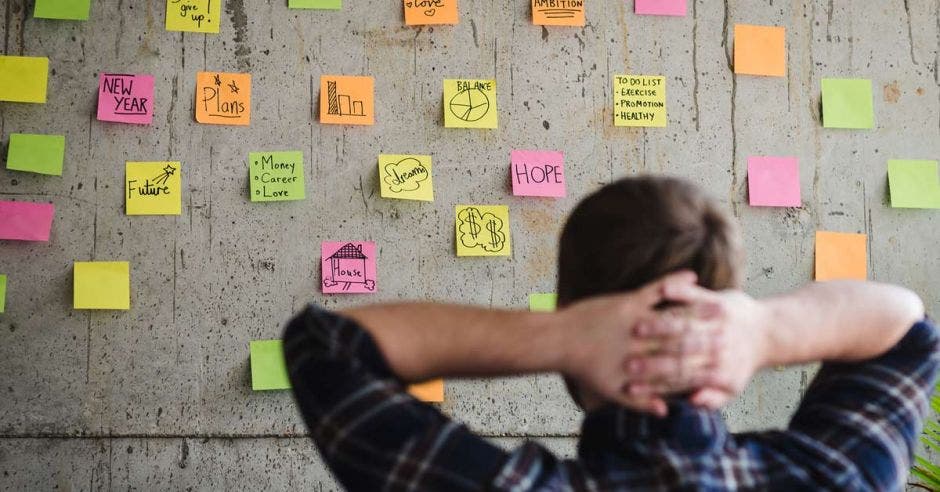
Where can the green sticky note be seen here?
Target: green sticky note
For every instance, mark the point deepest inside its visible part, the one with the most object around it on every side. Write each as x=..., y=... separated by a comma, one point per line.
x=914, y=184
x=847, y=103
x=315, y=4
x=543, y=302
x=276, y=176
x=3, y=292
x=41, y=154
x=62, y=9
x=268, y=368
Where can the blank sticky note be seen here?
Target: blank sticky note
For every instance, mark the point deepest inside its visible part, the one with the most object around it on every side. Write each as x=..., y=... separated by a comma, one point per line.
x=841, y=256
x=774, y=181
x=42, y=154
x=760, y=50
x=347, y=100
x=430, y=391
x=223, y=98
x=276, y=176
x=25, y=221
x=102, y=285
x=125, y=98
x=423, y=12
x=62, y=9
x=153, y=188
x=406, y=177
x=640, y=100
x=193, y=15
x=537, y=173
x=268, y=367
x=558, y=12
x=660, y=7
x=3, y=293
x=483, y=230
x=914, y=184
x=543, y=302
x=847, y=103
x=23, y=78
x=315, y=4
x=470, y=103
x=348, y=267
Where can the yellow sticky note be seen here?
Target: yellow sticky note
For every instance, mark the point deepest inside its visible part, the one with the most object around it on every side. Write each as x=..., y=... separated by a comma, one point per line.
x=347, y=100
x=102, y=285
x=153, y=188
x=470, y=103
x=841, y=256
x=558, y=12
x=430, y=391
x=23, y=78
x=483, y=230
x=406, y=177
x=223, y=98
x=760, y=50
x=640, y=100
x=193, y=15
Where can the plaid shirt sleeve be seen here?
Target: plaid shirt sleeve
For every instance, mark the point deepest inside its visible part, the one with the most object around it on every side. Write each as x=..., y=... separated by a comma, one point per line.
x=373, y=435
x=861, y=420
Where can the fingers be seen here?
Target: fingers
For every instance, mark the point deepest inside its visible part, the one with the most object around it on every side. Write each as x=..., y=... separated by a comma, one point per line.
x=653, y=293
x=688, y=293
x=710, y=398
x=653, y=404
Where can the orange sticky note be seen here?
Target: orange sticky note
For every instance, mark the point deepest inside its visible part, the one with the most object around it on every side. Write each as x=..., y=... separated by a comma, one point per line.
x=223, y=98
x=760, y=50
x=422, y=12
x=430, y=391
x=841, y=256
x=346, y=100
x=558, y=12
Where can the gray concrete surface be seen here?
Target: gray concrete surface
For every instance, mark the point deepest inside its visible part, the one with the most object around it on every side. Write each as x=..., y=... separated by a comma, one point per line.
x=158, y=397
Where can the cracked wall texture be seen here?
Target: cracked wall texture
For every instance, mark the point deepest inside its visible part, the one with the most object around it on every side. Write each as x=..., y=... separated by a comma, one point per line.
x=159, y=396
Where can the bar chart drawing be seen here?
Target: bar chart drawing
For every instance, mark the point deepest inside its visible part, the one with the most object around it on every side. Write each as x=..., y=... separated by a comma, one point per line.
x=342, y=104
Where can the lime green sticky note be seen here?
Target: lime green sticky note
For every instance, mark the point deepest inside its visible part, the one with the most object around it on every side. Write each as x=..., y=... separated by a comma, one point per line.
x=406, y=177
x=470, y=103
x=23, y=78
x=315, y=4
x=847, y=103
x=102, y=285
x=3, y=292
x=268, y=368
x=62, y=9
x=276, y=176
x=914, y=184
x=542, y=302
x=193, y=15
x=41, y=154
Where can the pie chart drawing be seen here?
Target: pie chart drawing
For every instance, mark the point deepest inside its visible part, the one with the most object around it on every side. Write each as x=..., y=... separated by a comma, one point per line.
x=470, y=105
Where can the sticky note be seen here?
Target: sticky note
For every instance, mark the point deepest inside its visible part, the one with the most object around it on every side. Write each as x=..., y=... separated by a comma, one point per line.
x=268, y=367
x=422, y=12
x=347, y=100
x=914, y=184
x=23, y=78
x=276, y=176
x=223, y=98
x=558, y=12
x=125, y=98
x=774, y=181
x=660, y=7
x=543, y=302
x=25, y=221
x=42, y=154
x=3, y=292
x=640, y=100
x=62, y=9
x=315, y=4
x=193, y=15
x=430, y=391
x=483, y=230
x=841, y=256
x=760, y=50
x=102, y=285
x=153, y=188
x=470, y=103
x=406, y=177
x=537, y=173
x=847, y=103
x=348, y=267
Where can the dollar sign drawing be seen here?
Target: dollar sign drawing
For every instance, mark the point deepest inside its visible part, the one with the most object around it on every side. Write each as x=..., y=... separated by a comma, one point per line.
x=494, y=234
x=474, y=227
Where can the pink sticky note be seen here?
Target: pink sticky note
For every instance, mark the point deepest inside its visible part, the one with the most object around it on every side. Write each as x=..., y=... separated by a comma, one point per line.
x=125, y=98
x=661, y=7
x=774, y=181
x=537, y=173
x=348, y=267
x=24, y=221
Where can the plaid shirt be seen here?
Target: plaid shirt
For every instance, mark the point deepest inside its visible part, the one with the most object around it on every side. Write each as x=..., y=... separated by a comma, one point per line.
x=855, y=429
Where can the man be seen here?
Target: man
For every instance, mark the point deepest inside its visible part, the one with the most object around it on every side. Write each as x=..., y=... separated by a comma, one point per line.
x=652, y=336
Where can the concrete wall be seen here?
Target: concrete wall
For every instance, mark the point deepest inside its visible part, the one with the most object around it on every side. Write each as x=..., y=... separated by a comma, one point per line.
x=159, y=396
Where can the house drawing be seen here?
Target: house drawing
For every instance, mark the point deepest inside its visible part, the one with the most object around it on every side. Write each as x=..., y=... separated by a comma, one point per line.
x=347, y=266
